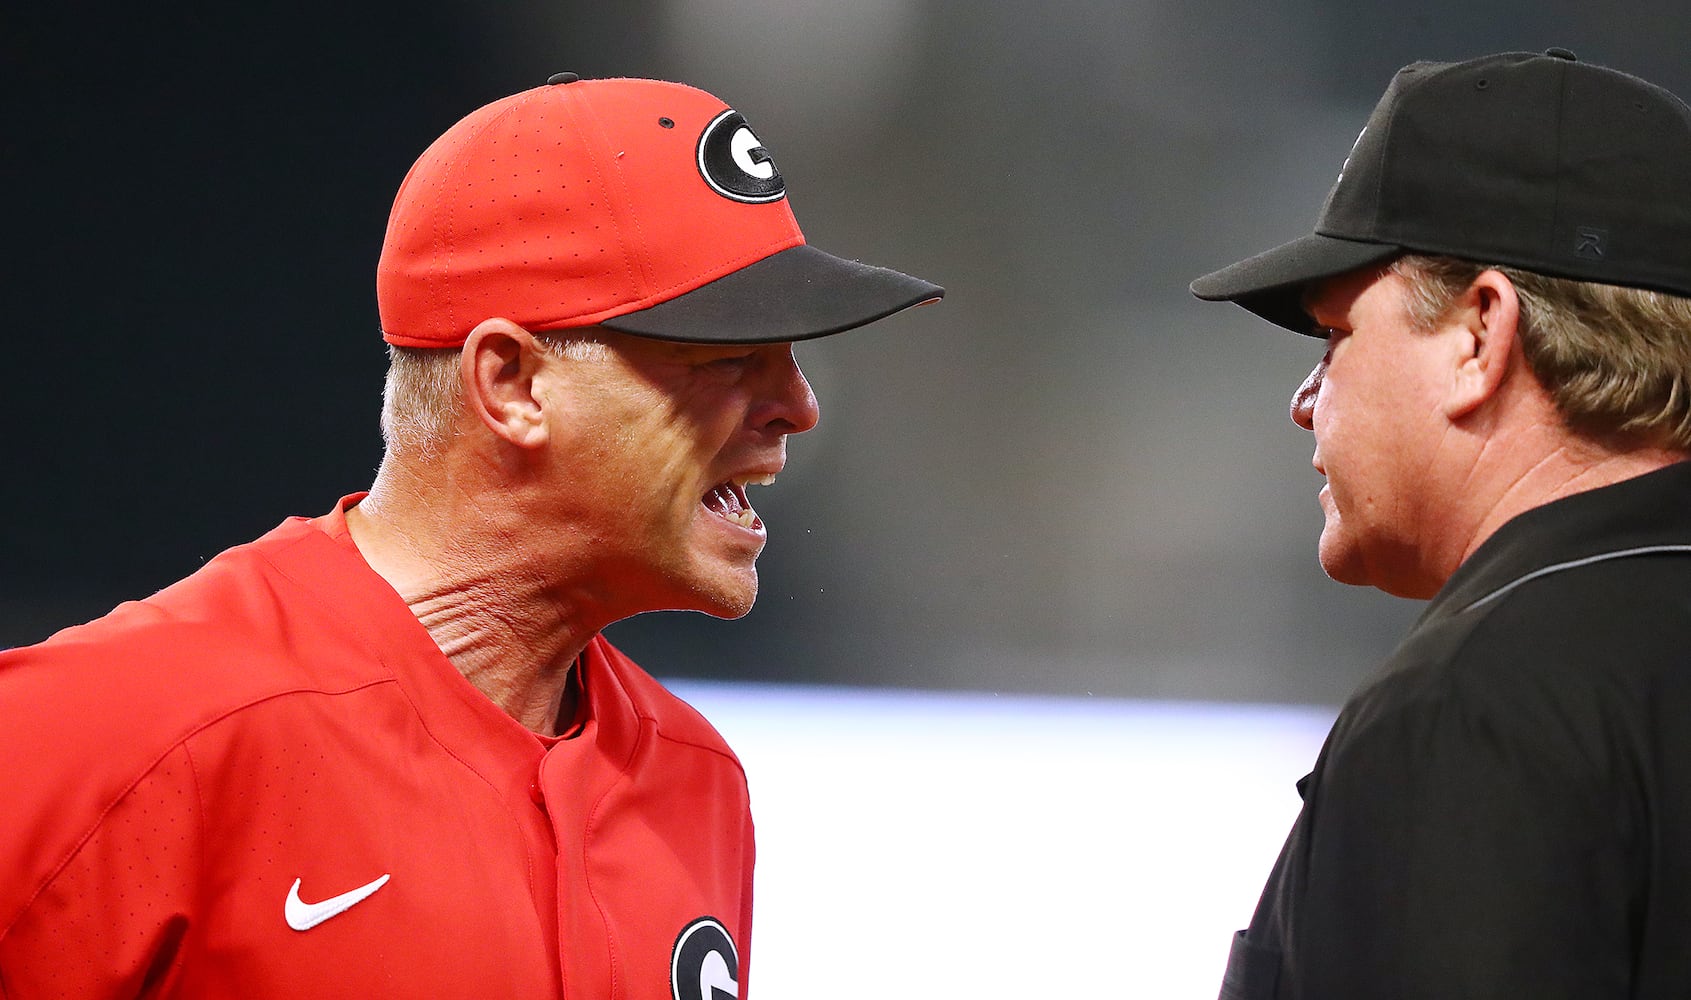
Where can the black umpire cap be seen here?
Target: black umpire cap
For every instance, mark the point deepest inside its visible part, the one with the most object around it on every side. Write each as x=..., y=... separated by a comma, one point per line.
x=1539, y=162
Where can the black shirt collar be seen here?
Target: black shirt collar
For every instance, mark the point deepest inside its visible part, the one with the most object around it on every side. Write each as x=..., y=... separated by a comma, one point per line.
x=1646, y=511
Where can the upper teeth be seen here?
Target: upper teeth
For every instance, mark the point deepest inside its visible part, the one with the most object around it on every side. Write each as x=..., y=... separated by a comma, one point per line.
x=763, y=480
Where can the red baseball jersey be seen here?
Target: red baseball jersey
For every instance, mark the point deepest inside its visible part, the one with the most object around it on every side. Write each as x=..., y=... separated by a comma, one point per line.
x=267, y=781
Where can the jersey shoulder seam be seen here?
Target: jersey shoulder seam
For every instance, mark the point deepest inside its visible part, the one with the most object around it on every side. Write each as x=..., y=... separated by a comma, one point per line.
x=178, y=743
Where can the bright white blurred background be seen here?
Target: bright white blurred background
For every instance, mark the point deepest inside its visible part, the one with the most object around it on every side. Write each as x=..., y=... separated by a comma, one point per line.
x=924, y=845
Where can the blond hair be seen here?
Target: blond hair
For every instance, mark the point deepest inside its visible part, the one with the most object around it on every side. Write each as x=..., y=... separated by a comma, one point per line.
x=422, y=398
x=1616, y=360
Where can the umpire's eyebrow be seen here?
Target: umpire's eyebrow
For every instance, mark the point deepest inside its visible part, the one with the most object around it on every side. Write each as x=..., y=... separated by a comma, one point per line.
x=1309, y=300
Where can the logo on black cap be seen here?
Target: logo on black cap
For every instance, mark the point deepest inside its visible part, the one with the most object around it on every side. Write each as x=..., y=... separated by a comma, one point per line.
x=705, y=965
x=735, y=164
x=1589, y=243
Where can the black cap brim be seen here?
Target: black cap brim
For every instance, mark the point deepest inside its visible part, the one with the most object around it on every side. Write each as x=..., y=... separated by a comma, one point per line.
x=1271, y=283
x=798, y=294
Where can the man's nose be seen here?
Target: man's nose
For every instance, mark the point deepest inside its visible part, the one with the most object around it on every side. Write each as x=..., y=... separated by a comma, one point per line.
x=789, y=405
x=1303, y=400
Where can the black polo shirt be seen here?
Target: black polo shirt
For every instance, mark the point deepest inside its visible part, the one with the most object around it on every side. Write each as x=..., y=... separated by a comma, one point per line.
x=1505, y=810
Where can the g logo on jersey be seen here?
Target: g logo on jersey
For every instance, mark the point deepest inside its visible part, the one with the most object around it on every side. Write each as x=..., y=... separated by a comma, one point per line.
x=735, y=164
x=705, y=964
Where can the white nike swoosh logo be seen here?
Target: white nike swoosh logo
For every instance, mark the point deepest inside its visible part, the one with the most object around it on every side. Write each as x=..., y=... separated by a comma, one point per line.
x=303, y=916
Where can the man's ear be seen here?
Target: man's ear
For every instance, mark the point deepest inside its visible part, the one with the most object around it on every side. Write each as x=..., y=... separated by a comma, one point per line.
x=497, y=366
x=1484, y=324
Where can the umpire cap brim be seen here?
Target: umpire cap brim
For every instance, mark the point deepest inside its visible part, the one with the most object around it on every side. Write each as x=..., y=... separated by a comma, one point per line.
x=1271, y=283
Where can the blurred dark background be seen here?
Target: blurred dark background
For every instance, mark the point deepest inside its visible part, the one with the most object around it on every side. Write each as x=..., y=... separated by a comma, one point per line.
x=1070, y=477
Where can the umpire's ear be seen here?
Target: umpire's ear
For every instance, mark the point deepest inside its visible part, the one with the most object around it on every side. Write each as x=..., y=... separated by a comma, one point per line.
x=1483, y=325
x=498, y=365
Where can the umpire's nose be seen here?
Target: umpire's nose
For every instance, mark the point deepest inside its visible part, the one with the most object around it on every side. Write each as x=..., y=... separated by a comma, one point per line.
x=1303, y=400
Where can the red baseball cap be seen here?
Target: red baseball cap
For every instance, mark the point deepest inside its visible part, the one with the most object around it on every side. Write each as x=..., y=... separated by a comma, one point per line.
x=637, y=205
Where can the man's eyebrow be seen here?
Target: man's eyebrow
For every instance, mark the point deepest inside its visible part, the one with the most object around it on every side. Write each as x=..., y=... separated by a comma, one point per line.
x=1309, y=301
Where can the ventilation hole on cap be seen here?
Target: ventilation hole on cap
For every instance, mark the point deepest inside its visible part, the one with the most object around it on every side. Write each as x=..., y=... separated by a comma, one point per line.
x=1482, y=83
x=666, y=123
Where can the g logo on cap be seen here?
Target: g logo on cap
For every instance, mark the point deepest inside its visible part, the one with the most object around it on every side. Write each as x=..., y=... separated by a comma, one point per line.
x=735, y=164
x=705, y=965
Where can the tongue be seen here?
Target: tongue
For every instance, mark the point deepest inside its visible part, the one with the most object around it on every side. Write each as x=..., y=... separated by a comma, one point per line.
x=724, y=501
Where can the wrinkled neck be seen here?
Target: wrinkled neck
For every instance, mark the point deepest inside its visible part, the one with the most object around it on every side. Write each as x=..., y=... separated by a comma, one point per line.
x=509, y=642
x=488, y=602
